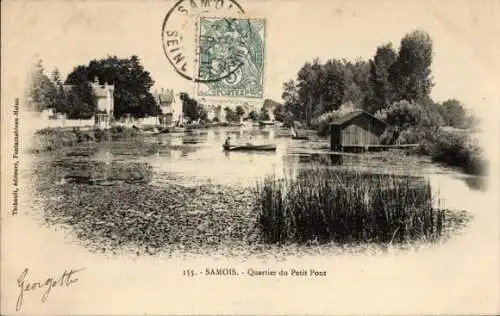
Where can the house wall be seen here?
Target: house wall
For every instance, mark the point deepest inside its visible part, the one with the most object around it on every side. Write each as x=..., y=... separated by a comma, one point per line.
x=102, y=104
x=105, y=103
x=362, y=130
x=42, y=122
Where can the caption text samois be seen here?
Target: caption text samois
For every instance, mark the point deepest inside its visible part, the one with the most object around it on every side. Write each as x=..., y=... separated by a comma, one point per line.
x=255, y=272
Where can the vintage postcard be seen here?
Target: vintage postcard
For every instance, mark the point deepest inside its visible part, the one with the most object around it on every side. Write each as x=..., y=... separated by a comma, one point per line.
x=243, y=157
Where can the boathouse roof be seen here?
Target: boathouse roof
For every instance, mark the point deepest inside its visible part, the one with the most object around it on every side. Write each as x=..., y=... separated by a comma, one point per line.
x=349, y=116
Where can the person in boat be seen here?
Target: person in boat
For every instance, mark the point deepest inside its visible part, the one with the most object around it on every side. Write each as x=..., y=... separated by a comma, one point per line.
x=250, y=141
x=227, y=143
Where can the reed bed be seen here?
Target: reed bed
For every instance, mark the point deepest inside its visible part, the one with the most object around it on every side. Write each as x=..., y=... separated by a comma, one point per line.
x=327, y=205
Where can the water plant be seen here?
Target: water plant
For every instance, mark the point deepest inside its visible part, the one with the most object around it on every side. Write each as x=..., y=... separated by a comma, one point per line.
x=329, y=205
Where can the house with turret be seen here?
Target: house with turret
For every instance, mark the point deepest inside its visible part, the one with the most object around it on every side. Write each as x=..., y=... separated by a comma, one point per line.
x=170, y=106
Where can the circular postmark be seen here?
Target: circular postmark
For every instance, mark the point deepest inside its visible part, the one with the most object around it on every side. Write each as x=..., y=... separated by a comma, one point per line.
x=180, y=43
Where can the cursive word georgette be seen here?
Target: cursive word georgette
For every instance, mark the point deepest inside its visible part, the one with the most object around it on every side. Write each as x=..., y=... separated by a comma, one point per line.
x=63, y=280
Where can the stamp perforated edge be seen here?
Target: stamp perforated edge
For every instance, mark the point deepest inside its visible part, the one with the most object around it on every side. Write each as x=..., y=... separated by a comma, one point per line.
x=264, y=64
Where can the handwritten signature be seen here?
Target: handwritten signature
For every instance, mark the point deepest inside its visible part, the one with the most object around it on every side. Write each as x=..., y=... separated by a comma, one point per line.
x=64, y=280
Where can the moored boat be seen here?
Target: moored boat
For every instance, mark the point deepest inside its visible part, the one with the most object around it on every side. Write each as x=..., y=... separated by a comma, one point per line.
x=300, y=137
x=250, y=147
x=267, y=123
x=176, y=129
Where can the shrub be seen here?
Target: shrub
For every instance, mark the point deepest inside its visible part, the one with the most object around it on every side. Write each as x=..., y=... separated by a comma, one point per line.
x=48, y=139
x=321, y=123
x=457, y=151
x=341, y=206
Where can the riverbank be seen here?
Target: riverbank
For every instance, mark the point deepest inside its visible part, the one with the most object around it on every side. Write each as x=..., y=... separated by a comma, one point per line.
x=114, y=208
x=50, y=139
x=458, y=151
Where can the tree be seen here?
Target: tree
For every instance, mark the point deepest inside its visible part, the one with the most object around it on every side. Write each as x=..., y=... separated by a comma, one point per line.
x=411, y=72
x=192, y=110
x=355, y=81
x=60, y=96
x=41, y=92
x=264, y=115
x=309, y=78
x=290, y=97
x=132, y=83
x=380, y=87
x=230, y=115
x=453, y=113
x=331, y=86
x=253, y=115
x=56, y=77
x=240, y=111
x=80, y=102
x=409, y=122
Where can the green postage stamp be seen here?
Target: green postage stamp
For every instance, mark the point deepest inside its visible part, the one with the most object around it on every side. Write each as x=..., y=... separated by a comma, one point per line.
x=231, y=57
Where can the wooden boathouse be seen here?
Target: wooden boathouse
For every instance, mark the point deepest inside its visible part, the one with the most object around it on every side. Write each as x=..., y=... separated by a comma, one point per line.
x=356, y=131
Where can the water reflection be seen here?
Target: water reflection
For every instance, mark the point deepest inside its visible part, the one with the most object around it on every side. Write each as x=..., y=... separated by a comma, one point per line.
x=476, y=183
x=198, y=156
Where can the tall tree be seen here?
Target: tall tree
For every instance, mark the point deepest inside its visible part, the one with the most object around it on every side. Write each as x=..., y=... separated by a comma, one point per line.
x=41, y=91
x=190, y=107
x=60, y=96
x=309, y=88
x=331, y=86
x=411, y=73
x=356, y=81
x=380, y=88
x=290, y=97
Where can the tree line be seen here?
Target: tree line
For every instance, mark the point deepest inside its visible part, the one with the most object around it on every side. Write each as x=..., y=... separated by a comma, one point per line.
x=391, y=81
x=75, y=97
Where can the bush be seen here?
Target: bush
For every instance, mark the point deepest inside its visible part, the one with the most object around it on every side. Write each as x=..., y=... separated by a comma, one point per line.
x=330, y=205
x=321, y=123
x=49, y=139
x=457, y=151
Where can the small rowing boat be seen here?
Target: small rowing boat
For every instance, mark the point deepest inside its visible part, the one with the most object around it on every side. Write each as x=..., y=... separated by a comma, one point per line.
x=295, y=135
x=248, y=147
x=267, y=123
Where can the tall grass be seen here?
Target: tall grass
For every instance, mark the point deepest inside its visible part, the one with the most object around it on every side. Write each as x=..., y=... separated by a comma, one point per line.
x=326, y=205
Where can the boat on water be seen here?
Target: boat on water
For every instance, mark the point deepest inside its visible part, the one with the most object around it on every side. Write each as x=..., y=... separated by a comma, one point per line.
x=176, y=129
x=250, y=147
x=267, y=123
x=295, y=135
x=150, y=131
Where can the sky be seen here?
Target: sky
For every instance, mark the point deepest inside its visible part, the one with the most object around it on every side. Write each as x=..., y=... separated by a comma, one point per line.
x=68, y=33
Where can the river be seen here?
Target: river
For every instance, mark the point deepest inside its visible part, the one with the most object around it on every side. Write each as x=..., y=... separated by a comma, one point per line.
x=434, y=279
